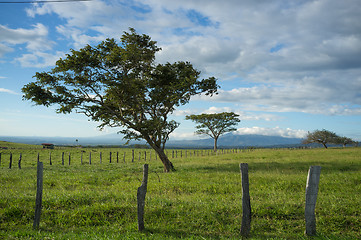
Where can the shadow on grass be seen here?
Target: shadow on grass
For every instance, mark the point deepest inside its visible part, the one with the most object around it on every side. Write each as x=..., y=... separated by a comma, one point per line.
x=279, y=166
x=182, y=234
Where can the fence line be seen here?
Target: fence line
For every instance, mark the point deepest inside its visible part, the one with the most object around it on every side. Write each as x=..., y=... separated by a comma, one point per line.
x=128, y=156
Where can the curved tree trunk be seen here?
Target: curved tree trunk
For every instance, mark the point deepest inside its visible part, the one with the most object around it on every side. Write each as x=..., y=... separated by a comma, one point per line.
x=168, y=165
x=324, y=144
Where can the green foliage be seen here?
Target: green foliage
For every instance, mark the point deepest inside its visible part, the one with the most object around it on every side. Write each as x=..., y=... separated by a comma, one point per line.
x=202, y=200
x=119, y=85
x=324, y=137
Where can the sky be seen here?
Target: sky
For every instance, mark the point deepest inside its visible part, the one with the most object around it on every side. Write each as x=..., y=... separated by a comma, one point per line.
x=285, y=67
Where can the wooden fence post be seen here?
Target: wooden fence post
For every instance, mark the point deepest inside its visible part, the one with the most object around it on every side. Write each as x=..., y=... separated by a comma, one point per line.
x=124, y=157
x=132, y=155
x=100, y=156
x=313, y=179
x=69, y=158
x=117, y=157
x=90, y=158
x=62, y=158
x=50, y=159
x=19, y=162
x=142, y=190
x=39, y=195
x=11, y=160
x=110, y=157
x=246, y=202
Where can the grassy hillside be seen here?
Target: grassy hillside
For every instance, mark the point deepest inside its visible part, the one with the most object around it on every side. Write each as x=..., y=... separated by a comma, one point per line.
x=11, y=145
x=201, y=200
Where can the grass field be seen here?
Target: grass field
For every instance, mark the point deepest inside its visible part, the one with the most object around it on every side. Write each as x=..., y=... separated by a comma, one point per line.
x=201, y=200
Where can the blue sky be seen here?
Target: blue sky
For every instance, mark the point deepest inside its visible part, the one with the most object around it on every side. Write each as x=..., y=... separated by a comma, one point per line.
x=286, y=67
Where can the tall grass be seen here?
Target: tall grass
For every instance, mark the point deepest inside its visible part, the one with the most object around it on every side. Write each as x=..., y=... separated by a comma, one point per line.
x=201, y=200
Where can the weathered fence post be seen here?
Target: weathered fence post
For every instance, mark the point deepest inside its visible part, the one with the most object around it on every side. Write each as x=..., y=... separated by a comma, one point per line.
x=142, y=190
x=132, y=155
x=90, y=158
x=246, y=202
x=11, y=160
x=19, y=162
x=313, y=179
x=62, y=158
x=124, y=157
x=39, y=195
x=69, y=158
x=100, y=156
x=117, y=157
x=110, y=157
x=50, y=159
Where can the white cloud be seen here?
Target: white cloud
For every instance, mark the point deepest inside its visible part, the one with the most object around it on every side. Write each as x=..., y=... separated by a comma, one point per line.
x=39, y=59
x=35, y=38
x=276, y=131
x=292, y=55
x=183, y=135
x=4, y=90
x=243, y=116
x=36, y=42
x=321, y=93
x=4, y=49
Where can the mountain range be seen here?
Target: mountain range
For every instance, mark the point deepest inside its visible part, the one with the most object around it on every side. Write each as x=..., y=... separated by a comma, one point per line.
x=225, y=141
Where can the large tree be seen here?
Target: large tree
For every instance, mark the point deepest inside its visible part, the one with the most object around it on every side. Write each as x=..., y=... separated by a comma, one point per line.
x=120, y=85
x=214, y=125
x=323, y=137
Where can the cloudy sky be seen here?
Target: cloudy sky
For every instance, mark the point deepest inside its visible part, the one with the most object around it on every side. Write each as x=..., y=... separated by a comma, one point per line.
x=286, y=67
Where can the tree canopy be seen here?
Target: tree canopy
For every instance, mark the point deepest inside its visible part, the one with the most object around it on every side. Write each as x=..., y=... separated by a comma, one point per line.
x=214, y=125
x=120, y=85
x=325, y=137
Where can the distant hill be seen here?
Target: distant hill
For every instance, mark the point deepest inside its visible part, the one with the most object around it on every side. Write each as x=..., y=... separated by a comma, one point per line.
x=226, y=141
x=235, y=140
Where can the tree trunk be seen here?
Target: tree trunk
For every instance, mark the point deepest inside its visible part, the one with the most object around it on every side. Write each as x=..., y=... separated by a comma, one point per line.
x=324, y=144
x=215, y=144
x=168, y=165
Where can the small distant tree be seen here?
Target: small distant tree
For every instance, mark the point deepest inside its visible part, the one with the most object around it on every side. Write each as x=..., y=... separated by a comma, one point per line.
x=345, y=141
x=214, y=125
x=322, y=136
x=120, y=85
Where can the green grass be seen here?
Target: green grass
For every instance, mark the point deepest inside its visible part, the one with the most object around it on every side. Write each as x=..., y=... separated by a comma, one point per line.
x=201, y=200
